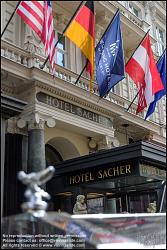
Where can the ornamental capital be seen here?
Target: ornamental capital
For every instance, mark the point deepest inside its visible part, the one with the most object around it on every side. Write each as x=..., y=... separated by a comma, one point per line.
x=35, y=121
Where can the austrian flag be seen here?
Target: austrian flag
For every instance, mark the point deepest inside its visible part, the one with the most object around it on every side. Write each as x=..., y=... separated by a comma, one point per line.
x=143, y=71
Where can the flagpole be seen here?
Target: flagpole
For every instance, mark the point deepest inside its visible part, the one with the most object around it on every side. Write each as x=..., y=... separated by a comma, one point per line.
x=133, y=100
x=95, y=47
x=10, y=18
x=138, y=46
x=81, y=72
x=162, y=200
x=42, y=66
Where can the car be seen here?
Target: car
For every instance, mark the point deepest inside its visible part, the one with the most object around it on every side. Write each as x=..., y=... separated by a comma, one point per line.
x=85, y=231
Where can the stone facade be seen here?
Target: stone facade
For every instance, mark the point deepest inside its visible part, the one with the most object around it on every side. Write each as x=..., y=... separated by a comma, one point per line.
x=22, y=53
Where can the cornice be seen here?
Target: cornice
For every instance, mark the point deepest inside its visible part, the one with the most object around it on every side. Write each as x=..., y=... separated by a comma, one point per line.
x=73, y=99
x=76, y=94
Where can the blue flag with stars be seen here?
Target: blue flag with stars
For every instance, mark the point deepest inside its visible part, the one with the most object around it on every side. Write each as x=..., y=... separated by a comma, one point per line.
x=110, y=66
x=161, y=66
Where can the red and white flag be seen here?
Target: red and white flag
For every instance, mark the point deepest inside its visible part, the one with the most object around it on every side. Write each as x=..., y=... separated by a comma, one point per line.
x=38, y=15
x=143, y=71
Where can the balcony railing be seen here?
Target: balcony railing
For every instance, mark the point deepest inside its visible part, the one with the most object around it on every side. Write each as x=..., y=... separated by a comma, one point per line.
x=20, y=56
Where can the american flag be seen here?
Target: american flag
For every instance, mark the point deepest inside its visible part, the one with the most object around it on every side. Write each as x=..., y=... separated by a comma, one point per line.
x=38, y=15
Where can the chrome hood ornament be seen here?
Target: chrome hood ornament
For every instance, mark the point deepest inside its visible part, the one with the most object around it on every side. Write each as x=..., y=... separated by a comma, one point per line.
x=34, y=194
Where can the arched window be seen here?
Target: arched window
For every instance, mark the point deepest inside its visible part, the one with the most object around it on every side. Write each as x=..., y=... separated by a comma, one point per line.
x=52, y=155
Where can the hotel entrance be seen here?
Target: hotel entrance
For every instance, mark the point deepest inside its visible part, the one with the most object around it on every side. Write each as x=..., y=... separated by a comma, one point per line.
x=128, y=179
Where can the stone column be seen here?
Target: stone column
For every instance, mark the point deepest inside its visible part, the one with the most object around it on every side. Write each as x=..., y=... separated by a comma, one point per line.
x=36, y=143
x=36, y=146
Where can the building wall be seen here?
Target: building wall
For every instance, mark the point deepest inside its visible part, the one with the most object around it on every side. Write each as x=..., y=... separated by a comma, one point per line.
x=22, y=54
x=68, y=144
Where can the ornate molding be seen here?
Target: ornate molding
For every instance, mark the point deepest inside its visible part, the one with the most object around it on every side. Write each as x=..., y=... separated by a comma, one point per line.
x=35, y=121
x=153, y=11
x=35, y=124
x=32, y=43
x=103, y=19
x=107, y=142
x=12, y=127
x=73, y=99
x=60, y=21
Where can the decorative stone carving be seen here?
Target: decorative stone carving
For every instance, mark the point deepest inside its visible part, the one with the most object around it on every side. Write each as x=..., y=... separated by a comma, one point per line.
x=92, y=143
x=147, y=11
x=51, y=123
x=32, y=42
x=13, y=128
x=35, y=121
x=80, y=205
x=153, y=11
x=21, y=123
x=33, y=124
x=107, y=142
x=60, y=21
x=149, y=136
x=116, y=142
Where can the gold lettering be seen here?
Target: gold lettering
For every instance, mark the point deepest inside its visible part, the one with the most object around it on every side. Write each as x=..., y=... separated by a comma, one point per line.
x=122, y=170
x=109, y=172
x=91, y=177
x=72, y=180
x=128, y=168
x=116, y=170
x=77, y=176
x=100, y=176
x=67, y=107
x=144, y=169
x=105, y=174
x=87, y=177
x=82, y=177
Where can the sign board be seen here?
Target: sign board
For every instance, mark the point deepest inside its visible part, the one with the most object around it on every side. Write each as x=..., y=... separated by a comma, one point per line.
x=152, y=172
x=73, y=109
x=101, y=174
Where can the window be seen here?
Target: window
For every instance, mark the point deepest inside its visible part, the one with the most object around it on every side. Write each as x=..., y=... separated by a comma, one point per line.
x=160, y=36
x=133, y=10
x=61, y=52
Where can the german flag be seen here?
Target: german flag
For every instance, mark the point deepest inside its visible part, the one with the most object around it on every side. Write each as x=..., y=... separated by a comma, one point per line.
x=82, y=32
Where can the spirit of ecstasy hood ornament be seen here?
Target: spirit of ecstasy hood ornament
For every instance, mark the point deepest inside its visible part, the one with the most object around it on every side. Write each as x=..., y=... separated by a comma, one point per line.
x=34, y=193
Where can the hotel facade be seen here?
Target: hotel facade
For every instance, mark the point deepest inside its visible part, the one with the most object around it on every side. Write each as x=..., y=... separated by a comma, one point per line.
x=53, y=121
